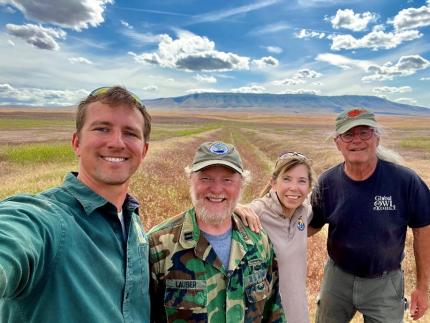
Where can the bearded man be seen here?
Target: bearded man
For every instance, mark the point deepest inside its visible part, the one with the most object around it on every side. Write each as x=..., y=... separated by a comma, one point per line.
x=206, y=266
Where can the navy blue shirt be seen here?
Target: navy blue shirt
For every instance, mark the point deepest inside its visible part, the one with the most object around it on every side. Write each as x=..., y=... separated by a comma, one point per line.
x=368, y=219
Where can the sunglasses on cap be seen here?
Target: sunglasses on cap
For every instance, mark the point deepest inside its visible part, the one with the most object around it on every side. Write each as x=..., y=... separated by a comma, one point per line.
x=105, y=89
x=292, y=155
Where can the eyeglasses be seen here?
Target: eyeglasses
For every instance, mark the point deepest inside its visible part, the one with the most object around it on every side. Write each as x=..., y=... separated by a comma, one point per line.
x=292, y=155
x=105, y=89
x=363, y=134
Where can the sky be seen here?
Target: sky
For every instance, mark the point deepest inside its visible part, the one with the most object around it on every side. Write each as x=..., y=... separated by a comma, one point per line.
x=55, y=52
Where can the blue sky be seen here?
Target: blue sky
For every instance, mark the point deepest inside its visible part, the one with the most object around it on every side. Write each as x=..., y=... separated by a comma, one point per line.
x=54, y=52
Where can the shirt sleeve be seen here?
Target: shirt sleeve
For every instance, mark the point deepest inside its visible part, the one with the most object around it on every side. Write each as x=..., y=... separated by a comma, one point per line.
x=273, y=311
x=419, y=203
x=317, y=208
x=156, y=285
x=26, y=245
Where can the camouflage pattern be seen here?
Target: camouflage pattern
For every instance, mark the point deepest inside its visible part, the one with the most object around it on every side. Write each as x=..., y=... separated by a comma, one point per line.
x=190, y=284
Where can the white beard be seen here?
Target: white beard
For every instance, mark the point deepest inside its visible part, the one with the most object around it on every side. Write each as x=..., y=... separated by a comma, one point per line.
x=212, y=217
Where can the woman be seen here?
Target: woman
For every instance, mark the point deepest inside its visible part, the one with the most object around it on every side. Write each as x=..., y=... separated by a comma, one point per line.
x=284, y=213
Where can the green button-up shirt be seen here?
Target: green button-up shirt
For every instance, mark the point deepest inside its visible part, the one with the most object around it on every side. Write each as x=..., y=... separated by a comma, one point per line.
x=63, y=258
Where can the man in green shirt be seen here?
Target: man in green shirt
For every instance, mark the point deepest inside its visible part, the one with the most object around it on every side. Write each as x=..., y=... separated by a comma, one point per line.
x=206, y=266
x=78, y=252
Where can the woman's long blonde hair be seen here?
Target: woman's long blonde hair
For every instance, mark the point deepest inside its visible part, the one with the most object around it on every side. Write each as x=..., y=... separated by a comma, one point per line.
x=286, y=162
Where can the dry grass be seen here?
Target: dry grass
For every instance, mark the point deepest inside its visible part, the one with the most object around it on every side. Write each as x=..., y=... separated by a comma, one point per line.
x=161, y=185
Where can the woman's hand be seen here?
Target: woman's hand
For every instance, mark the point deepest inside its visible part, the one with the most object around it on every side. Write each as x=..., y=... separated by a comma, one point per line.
x=248, y=217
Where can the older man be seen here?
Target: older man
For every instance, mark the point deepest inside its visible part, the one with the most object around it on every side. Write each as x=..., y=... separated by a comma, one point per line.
x=368, y=203
x=206, y=265
x=78, y=252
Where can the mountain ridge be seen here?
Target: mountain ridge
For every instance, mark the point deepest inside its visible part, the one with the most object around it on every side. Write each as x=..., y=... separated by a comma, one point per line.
x=290, y=103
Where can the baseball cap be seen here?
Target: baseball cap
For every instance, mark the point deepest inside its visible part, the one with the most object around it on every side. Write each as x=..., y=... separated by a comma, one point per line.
x=355, y=117
x=217, y=153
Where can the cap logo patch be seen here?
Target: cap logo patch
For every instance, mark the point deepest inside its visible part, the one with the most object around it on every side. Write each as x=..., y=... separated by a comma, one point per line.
x=219, y=148
x=355, y=113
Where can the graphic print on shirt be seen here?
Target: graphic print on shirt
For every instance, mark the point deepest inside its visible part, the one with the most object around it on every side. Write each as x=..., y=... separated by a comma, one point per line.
x=384, y=203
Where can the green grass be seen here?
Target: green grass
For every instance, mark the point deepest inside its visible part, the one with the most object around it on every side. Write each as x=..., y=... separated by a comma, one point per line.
x=416, y=143
x=38, y=153
x=13, y=124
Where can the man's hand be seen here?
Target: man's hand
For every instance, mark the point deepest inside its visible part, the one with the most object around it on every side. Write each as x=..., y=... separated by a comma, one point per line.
x=419, y=303
x=419, y=297
x=248, y=217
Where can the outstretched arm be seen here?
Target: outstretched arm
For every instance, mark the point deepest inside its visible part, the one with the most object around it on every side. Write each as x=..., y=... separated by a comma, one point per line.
x=419, y=296
x=28, y=240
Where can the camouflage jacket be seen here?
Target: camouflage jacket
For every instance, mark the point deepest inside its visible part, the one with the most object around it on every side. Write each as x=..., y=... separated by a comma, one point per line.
x=190, y=284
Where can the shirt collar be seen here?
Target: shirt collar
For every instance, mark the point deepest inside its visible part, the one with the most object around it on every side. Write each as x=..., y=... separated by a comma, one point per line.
x=89, y=199
x=190, y=233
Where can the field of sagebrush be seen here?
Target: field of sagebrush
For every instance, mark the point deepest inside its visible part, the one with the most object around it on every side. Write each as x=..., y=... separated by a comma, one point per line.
x=35, y=153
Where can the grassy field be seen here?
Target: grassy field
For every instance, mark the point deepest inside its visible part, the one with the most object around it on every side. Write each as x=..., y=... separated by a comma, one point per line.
x=35, y=154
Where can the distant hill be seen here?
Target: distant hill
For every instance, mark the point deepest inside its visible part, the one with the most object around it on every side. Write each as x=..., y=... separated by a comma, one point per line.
x=290, y=103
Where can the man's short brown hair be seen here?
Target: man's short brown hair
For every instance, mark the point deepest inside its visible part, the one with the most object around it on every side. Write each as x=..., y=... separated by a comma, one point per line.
x=113, y=96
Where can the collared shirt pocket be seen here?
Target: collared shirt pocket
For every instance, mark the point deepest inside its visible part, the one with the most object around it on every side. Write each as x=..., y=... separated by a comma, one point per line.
x=256, y=295
x=257, y=292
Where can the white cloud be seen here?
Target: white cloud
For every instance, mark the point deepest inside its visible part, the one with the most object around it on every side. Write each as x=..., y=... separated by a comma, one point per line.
x=302, y=91
x=6, y=88
x=288, y=82
x=205, y=78
x=306, y=33
x=80, y=60
x=343, y=62
x=409, y=101
x=193, y=53
x=425, y=79
x=392, y=89
x=299, y=77
x=347, y=19
x=274, y=49
x=270, y=29
x=150, y=88
x=219, y=15
x=34, y=96
x=10, y=42
x=126, y=24
x=53, y=71
x=192, y=91
x=37, y=36
x=412, y=18
x=317, y=83
x=406, y=65
x=306, y=73
x=143, y=38
x=376, y=39
x=249, y=89
x=266, y=61
x=76, y=14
